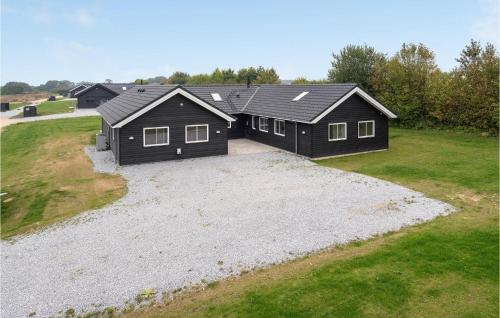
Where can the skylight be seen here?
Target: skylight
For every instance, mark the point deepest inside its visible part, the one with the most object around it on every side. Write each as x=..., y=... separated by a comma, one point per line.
x=216, y=97
x=124, y=88
x=298, y=97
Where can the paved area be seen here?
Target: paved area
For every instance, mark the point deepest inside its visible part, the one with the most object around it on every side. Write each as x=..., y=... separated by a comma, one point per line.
x=199, y=219
x=245, y=146
x=5, y=119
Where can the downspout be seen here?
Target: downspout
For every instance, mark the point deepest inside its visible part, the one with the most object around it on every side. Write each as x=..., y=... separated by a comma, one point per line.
x=117, y=136
x=296, y=137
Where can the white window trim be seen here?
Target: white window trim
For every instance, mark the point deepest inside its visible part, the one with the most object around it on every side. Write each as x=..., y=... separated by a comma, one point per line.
x=112, y=133
x=337, y=139
x=155, y=145
x=275, y=126
x=229, y=125
x=267, y=119
x=197, y=141
x=253, y=122
x=367, y=121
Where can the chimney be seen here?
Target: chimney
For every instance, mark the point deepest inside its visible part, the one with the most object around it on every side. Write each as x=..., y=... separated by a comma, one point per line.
x=248, y=81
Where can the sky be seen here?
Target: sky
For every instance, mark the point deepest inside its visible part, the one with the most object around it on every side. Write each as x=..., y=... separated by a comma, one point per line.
x=123, y=40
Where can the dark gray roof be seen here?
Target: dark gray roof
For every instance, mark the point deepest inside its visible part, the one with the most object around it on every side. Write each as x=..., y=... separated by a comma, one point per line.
x=116, y=88
x=275, y=101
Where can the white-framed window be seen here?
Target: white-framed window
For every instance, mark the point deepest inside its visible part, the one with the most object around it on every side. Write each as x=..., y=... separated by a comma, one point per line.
x=366, y=129
x=156, y=136
x=337, y=131
x=263, y=124
x=253, y=122
x=196, y=133
x=216, y=97
x=229, y=125
x=113, y=133
x=279, y=127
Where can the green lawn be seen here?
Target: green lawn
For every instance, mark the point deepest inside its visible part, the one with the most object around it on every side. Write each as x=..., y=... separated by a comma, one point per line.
x=46, y=175
x=444, y=268
x=56, y=107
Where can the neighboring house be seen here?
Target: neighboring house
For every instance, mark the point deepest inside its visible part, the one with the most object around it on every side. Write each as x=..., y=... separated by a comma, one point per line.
x=98, y=94
x=163, y=122
x=76, y=89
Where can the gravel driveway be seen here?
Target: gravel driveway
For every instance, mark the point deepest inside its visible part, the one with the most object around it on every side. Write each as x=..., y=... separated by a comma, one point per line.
x=198, y=219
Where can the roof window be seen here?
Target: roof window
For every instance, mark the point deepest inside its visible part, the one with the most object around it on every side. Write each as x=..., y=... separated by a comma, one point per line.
x=216, y=97
x=298, y=97
x=124, y=88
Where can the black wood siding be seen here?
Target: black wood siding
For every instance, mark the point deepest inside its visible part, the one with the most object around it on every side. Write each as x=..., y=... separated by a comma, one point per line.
x=94, y=97
x=176, y=117
x=354, y=109
x=237, y=129
x=112, y=140
x=286, y=142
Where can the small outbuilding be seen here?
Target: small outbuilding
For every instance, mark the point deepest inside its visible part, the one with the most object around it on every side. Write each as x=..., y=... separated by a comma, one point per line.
x=51, y=98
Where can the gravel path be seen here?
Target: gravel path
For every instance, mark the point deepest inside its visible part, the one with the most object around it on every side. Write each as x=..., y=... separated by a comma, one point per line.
x=5, y=117
x=208, y=218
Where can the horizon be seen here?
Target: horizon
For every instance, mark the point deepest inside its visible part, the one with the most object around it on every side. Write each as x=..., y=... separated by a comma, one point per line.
x=61, y=40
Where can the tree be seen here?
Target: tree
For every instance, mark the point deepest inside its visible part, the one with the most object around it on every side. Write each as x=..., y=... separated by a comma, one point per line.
x=157, y=79
x=11, y=88
x=410, y=83
x=245, y=74
x=108, y=81
x=303, y=80
x=473, y=93
x=355, y=64
x=180, y=78
x=141, y=81
x=267, y=76
x=199, y=79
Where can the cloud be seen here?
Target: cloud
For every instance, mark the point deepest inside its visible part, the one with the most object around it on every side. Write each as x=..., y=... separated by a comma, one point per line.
x=80, y=17
x=486, y=28
x=42, y=15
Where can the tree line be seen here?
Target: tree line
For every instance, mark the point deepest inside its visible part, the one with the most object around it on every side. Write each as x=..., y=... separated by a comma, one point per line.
x=411, y=84
x=257, y=75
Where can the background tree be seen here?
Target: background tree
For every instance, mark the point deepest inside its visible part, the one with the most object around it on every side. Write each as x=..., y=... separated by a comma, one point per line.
x=108, y=81
x=303, y=80
x=355, y=64
x=410, y=84
x=11, y=88
x=473, y=92
x=178, y=78
x=267, y=76
x=199, y=79
x=141, y=81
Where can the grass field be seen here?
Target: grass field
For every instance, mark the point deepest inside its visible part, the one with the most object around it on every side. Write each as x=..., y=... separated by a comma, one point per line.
x=46, y=175
x=57, y=107
x=444, y=268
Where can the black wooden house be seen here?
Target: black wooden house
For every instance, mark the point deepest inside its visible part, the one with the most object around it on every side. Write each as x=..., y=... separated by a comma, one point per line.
x=161, y=122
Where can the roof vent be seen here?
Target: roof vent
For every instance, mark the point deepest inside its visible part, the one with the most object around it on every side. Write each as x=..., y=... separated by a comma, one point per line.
x=141, y=90
x=298, y=97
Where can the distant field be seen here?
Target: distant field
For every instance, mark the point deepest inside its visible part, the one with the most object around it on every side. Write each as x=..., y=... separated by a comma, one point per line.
x=28, y=97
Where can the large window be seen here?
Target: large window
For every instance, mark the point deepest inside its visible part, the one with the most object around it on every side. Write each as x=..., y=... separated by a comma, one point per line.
x=337, y=131
x=263, y=124
x=156, y=136
x=279, y=127
x=253, y=122
x=196, y=133
x=366, y=129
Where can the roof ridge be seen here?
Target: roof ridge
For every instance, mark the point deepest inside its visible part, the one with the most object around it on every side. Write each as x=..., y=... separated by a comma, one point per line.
x=251, y=97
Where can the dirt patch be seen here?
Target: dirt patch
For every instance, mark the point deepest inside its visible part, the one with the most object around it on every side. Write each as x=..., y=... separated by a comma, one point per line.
x=23, y=98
